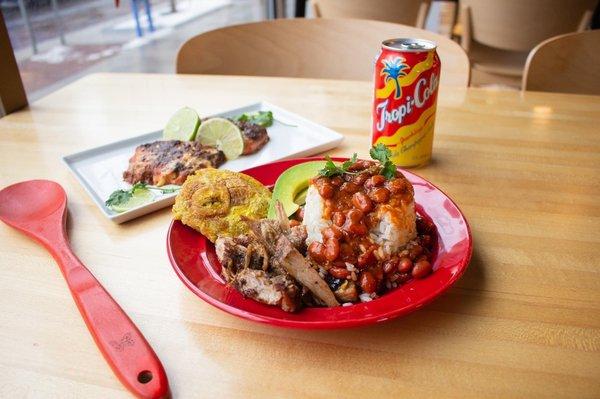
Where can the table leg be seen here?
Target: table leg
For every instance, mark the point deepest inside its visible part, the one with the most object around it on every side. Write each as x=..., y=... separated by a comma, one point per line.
x=23, y=10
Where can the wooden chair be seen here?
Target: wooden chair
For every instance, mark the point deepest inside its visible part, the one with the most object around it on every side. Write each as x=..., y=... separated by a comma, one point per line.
x=566, y=64
x=12, y=93
x=311, y=48
x=498, y=35
x=406, y=12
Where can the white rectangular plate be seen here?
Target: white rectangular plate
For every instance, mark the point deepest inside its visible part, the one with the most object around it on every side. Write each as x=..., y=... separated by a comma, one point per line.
x=100, y=170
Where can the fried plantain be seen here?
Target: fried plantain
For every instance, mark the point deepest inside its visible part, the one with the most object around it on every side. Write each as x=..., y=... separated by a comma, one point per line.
x=214, y=202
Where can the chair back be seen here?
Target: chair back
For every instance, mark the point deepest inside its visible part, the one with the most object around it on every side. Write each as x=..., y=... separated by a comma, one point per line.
x=309, y=48
x=405, y=12
x=566, y=64
x=519, y=25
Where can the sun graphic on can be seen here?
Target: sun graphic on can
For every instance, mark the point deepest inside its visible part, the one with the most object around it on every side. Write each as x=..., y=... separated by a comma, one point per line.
x=393, y=69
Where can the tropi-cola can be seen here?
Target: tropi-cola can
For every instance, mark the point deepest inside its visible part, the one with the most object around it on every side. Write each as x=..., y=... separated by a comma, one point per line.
x=407, y=73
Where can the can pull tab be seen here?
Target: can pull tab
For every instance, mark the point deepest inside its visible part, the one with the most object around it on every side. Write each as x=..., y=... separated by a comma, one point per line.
x=413, y=46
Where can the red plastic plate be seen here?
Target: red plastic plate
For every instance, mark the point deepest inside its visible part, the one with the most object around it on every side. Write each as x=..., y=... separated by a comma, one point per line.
x=195, y=262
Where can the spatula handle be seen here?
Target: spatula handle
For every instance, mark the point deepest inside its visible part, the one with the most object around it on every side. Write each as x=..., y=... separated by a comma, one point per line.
x=122, y=344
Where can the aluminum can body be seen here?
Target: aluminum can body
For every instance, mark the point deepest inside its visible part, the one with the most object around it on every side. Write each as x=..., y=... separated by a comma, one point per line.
x=407, y=74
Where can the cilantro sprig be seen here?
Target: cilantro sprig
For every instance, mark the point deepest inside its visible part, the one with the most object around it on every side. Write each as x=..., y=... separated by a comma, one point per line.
x=382, y=154
x=331, y=169
x=261, y=118
x=120, y=197
x=379, y=153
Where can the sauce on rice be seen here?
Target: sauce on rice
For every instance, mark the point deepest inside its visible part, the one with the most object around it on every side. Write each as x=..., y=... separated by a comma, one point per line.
x=353, y=253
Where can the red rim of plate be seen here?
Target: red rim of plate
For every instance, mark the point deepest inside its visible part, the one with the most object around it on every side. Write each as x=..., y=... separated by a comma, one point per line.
x=449, y=265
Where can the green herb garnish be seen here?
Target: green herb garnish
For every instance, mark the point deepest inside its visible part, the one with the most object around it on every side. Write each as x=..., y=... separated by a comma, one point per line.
x=118, y=197
x=382, y=154
x=168, y=189
x=331, y=169
x=379, y=153
x=261, y=118
x=121, y=197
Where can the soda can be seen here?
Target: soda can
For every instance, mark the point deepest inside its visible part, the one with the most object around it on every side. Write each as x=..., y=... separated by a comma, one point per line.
x=407, y=74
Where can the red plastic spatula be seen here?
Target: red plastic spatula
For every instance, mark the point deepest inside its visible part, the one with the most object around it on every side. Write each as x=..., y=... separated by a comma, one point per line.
x=38, y=208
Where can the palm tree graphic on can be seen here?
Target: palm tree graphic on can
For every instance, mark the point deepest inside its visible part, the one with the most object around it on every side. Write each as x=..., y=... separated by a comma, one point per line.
x=394, y=69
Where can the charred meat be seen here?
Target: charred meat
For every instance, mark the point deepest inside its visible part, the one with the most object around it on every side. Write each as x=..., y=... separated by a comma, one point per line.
x=255, y=136
x=170, y=162
x=247, y=265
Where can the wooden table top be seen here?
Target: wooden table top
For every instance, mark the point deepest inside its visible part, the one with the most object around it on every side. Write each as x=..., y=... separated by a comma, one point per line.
x=524, y=320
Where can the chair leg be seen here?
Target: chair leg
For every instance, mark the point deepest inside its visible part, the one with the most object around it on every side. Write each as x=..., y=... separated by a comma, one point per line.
x=149, y=15
x=136, y=17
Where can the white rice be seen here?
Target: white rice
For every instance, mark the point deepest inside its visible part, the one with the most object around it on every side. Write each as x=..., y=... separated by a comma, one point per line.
x=396, y=227
x=313, y=215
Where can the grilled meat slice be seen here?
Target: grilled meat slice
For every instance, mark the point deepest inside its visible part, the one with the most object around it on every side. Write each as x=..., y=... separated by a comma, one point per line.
x=284, y=256
x=279, y=290
x=245, y=265
x=255, y=136
x=170, y=162
x=246, y=262
x=296, y=265
x=238, y=253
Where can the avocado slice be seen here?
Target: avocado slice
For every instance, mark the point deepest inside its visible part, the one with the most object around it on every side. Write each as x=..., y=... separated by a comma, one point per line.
x=291, y=186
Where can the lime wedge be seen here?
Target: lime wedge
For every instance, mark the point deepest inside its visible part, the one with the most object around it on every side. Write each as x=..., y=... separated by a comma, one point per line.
x=223, y=134
x=139, y=197
x=183, y=125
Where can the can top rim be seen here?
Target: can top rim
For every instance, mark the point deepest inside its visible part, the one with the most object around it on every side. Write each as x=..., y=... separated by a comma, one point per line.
x=408, y=44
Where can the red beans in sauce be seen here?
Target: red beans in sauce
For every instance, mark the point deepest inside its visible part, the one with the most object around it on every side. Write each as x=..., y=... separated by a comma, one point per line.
x=332, y=232
x=362, y=202
x=316, y=250
x=339, y=272
x=338, y=219
x=360, y=178
x=350, y=202
x=367, y=282
x=336, y=181
x=379, y=195
x=405, y=265
x=326, y=190
x=374, y=181
x=390, y=266
x=300, y=213
x=350, y=187
x=422, y=268
x=332, y=249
